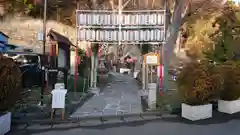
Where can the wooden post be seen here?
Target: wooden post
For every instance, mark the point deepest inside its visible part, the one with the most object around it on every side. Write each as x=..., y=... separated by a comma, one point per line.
x=53, y=112
x=151, y=75
x=143, y=75
x=147, y=78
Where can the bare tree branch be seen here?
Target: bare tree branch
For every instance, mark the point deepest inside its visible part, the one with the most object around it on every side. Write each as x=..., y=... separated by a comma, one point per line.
x=125, y=4
x=112, y=5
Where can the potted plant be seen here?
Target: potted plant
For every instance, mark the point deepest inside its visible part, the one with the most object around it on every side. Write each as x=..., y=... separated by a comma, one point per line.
x=198, y=86
x=230, y=91
x=10, y=89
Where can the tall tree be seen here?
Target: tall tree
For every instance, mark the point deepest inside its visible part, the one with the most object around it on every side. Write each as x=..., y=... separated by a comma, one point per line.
x=179, y=11
x=227, y=36
x=2, y=8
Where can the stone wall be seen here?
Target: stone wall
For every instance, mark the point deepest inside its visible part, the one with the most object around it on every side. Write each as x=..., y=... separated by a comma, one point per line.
x=23, y=31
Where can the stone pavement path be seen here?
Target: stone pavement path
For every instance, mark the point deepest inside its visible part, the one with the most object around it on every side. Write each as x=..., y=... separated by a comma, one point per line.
x=121, y=96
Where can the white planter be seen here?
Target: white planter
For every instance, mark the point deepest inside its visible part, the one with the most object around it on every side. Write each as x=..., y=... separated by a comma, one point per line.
x=229, y=107
x=5, y=123
x=198, y=112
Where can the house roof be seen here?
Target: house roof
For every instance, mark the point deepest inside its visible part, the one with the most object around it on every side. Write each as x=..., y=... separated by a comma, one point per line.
x=4, y=34
x=58, y=37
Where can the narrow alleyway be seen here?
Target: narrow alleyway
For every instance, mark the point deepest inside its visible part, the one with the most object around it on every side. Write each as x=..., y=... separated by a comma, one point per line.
x=119, y=97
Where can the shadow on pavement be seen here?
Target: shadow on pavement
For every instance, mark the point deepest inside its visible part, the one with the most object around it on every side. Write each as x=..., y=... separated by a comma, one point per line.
x=218, y=118
x=77, y=125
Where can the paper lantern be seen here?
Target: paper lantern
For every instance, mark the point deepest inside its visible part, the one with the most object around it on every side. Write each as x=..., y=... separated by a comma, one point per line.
x=96, y=19
x=131, y=20
x=105, y=35
x=101, y=33
x=136, y=35
x=93, y=35
x=151, y=35
x=88, y=19
x=158, y=35
x=137, y=21
x=127, y=19
x=153, y=19
x=82, y=19
x=147, y=19
x=115, y=35
x=145, y=36
x=108, y=20
x=97, y=38
x=141, y=35
x=101, y=18
x=148, y=35
x=160, y=20
x=131, y=36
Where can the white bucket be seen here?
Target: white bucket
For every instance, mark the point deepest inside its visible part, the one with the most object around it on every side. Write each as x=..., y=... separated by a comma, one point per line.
x=59, y=86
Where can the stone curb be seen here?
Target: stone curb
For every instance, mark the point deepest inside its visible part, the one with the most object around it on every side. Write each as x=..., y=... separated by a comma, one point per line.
x=91, y=118
x=90, y=123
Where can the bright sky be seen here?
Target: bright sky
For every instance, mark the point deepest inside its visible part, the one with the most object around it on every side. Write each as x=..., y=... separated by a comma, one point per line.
x=236, y=0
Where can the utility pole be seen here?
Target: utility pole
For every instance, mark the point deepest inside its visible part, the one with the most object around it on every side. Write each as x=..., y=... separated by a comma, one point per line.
x=94, y=57
x=44, y=49
x=120, y=22
x=164, y=60
x=119, y=49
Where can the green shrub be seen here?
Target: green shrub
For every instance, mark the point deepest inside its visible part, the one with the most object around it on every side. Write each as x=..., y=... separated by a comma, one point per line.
x=198, y=83
x=230, y=72
x=10, y=83
x=82, y=84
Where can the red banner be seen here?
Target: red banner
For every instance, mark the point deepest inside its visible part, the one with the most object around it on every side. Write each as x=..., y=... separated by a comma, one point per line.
x=161, y=85
x=77, y=62
x=99, y=51
x=89, y=52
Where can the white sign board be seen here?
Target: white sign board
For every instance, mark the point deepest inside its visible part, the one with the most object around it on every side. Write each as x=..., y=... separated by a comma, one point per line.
x=40, y=36
x=58, y=98
x=61, y=58
x=151, y=59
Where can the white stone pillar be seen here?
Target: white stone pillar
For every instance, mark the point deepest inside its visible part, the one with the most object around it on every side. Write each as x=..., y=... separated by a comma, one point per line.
x=152, y=95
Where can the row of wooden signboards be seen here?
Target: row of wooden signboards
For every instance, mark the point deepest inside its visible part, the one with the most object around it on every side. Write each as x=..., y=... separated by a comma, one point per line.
x=115, y=19
x=104, y=35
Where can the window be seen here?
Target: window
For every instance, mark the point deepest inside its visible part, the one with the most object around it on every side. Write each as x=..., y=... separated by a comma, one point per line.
x=31, y=59
x=11, y=55
x=19, y=59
